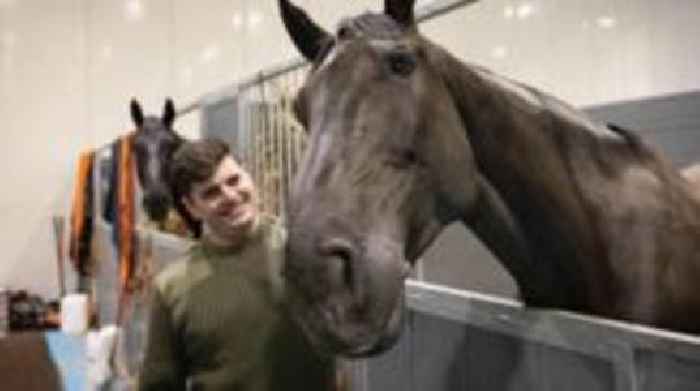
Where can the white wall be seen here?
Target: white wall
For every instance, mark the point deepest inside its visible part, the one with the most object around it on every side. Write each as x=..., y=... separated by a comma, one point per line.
x=69, y=67
x=585, y=51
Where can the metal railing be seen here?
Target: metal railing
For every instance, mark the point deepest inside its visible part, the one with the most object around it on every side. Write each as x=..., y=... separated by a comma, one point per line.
x=498, y=344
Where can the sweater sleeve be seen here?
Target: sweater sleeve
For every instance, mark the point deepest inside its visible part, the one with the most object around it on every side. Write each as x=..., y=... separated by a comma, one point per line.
x=163, y=367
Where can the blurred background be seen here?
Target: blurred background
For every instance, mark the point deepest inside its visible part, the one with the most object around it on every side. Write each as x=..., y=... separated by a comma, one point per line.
x=68, y=69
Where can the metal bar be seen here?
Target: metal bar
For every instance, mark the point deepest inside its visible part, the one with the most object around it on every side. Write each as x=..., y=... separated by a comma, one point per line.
x=267, y=162
x=439, y=7
x=287, y=132
x=424, y=13
x=279, y=157
x=233, y=88
x=259, y=158
x=274, y=155
x=582, y=333
x=271, y=156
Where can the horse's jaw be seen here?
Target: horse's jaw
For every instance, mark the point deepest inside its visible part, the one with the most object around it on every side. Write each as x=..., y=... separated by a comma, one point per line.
x=332, y=334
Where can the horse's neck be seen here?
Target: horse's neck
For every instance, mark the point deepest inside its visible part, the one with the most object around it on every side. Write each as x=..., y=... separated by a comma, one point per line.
x=526, y=157
x=497, y=227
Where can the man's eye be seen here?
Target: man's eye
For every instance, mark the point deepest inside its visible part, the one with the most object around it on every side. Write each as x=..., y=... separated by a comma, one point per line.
x=233, y=180
x=210, y=193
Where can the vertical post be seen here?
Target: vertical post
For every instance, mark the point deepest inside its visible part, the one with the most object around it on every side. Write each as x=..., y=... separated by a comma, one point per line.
x=58, y=229
x=278, y=156
x=625, y=367
x=288, y=128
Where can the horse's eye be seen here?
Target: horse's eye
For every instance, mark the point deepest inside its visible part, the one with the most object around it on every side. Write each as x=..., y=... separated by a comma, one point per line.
x=401, y=64
x=343, y=33
x=409, y=157
x=403, y=159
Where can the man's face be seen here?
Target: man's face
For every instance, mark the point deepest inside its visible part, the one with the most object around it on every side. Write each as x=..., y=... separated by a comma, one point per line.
x=226, y=202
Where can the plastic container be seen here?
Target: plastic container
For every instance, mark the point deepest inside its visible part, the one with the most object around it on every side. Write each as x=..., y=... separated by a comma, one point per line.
x=74, y=314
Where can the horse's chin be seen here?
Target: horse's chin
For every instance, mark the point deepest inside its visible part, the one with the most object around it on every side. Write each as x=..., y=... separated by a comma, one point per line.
x=156, y=214
x=383, y=342
x=350, y=339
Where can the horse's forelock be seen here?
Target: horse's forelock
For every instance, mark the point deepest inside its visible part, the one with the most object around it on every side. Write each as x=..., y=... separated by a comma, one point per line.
x=374, y=26
x=152, y=123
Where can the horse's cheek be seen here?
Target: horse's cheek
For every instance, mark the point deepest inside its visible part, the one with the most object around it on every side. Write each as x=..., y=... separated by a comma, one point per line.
x=456, y=189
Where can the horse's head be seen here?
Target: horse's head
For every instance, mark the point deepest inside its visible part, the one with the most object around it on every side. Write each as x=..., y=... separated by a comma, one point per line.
x=388, y=165
x=153, y=144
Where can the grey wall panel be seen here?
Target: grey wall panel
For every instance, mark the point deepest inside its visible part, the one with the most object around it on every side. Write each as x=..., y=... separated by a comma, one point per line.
x=664, y=372
x=437, y=354
x=458, y=259
x=221, y=120
x=393, y=370
x=438, y=361
x=559, y=369
x=670, y=122
x=681, y=146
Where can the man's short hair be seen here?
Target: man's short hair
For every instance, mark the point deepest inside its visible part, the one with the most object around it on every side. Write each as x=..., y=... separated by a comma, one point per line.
x=196, y=162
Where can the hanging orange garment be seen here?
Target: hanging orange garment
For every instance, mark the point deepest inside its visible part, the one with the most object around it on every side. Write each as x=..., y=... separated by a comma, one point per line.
x=81, y=221
x=125, y=223
x=126, y=211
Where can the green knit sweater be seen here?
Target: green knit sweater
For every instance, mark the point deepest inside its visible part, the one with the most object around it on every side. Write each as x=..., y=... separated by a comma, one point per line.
x=218, y=322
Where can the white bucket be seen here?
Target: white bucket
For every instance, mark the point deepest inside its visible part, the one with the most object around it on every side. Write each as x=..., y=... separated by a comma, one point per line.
x=74, y=313
x=99, y=350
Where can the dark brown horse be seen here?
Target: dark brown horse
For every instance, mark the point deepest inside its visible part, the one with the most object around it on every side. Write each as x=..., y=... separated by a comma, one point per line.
x=405, y=138
x=153, y=143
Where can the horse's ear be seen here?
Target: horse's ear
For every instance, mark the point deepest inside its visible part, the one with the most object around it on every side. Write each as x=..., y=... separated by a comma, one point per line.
x=401, y=11
x=136, y=113
x=307, y=36
x=168, y=113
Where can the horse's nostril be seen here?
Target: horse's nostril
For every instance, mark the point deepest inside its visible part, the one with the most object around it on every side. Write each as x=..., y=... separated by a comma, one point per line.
x=156, y=205
x=342, y=251
x=345, y=257
x=163, y=199
x=157, y=200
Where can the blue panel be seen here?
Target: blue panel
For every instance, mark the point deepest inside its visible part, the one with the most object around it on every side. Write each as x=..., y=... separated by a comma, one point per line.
x=68, y=353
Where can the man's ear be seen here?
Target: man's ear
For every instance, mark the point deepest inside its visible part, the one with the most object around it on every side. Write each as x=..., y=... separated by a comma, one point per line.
x=191, y=208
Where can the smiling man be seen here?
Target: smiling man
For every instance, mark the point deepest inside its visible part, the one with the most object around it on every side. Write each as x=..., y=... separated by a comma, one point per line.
x=218, y=318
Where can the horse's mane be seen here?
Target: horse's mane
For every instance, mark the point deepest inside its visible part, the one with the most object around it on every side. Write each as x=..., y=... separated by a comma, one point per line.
x=630, y=136
x=609, y=139
x=371, y=25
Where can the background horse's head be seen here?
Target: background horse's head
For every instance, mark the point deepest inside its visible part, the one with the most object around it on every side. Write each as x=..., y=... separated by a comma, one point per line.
x=153, y=144
x=388, y=165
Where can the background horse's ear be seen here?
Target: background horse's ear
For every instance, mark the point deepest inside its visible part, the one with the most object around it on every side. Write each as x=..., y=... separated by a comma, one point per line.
x=307, y=36
x=136, y=113
x=168, y=113
x=401, y=11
